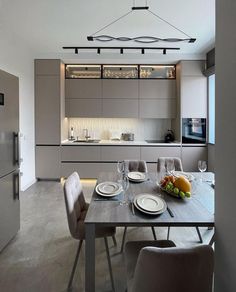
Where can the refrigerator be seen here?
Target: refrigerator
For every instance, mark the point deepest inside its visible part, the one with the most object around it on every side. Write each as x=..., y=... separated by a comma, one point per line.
x=9, y=158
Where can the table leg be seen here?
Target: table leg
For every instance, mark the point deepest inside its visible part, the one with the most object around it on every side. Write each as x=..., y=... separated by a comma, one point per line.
x=89, y=257
x=212, y=239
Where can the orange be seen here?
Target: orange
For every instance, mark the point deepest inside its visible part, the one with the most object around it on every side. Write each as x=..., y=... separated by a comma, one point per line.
x=182, y=184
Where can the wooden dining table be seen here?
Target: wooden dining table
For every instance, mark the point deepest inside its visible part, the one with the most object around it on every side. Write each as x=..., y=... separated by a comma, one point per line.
x=198, y=211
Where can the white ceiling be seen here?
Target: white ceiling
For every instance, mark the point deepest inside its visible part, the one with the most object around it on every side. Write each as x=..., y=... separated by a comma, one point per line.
x=46, y=26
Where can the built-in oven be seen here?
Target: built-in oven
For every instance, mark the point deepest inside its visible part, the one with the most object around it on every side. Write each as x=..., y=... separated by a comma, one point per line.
x=193, y=130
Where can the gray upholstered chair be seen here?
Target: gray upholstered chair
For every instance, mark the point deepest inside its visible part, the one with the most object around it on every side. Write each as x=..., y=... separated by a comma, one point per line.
x=76, y=209
x=162, y=163
x=140, y=166
x=158, y=269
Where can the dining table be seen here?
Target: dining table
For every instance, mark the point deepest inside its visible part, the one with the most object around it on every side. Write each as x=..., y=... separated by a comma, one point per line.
x=196, y=211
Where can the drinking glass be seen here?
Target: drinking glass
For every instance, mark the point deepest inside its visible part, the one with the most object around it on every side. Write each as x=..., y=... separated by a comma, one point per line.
x=125, y=186
x=202, y=166
x=120, y=170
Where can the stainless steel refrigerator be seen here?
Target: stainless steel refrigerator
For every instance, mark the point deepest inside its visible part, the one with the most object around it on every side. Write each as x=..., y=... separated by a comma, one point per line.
x=9, y=158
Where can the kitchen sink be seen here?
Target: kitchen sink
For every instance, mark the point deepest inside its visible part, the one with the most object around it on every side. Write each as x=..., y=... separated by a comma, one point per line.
x=87, y=141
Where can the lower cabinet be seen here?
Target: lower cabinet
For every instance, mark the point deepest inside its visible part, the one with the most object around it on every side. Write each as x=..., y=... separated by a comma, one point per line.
x=191, y=155
x=151, y=154
x=47, y=161
x=117, y=153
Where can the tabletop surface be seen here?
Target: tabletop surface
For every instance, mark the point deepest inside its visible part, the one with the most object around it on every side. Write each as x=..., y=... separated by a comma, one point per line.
x=196, y=211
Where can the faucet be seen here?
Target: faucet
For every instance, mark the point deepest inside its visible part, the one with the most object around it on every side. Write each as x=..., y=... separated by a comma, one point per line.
x=86, y=134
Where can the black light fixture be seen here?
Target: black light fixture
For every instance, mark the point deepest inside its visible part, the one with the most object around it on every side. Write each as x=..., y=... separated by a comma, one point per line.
x=143, y=51
x=121, y=51
x=164, y=52
x=98, y=51
x=76, y=50
x=140, y=39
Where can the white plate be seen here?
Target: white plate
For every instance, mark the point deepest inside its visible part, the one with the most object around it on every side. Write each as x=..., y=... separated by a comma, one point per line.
x=113, y=194
x=108, y=187
x=137, y=176
x=150, y=203
x=187, y=175
x=160, y=200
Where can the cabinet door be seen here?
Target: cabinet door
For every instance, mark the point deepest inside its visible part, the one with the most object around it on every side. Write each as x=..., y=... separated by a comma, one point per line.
x=194, y=97
x=120, y=108
x=80, y=153
x=118, y=153
x=87, y=88
x=47, y=67
x=83, y=108
x=159, y=108
x=191, y=155
x=154, y=89
x=84, y=169
x=151, y=154
x=47, y=109
x=48, y=162
x=192, y=68
x=120, y=89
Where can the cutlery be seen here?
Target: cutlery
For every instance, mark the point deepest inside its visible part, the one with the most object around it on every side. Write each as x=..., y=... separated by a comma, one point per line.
x=132, y=207
x=170, y=212
x=105, y=200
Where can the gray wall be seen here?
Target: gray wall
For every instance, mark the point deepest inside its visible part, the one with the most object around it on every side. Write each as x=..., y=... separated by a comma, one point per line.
x=225, y=160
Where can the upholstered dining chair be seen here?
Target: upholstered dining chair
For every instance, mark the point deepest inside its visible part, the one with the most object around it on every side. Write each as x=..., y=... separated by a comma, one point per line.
x=162, y=163
x=140, y=166
x=168, y=269
x=76, y=209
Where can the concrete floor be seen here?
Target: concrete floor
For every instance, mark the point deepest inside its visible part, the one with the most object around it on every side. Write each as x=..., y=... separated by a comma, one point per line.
x=40, y=257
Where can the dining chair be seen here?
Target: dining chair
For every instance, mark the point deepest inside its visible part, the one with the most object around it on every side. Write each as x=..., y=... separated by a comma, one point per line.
x=162, y=163
x=167, y=268
x=140, y=166
x=76, y=209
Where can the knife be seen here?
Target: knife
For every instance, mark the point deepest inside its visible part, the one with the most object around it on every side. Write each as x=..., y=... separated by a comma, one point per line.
x=170, y=212
x=97, y=199
x=132, y=207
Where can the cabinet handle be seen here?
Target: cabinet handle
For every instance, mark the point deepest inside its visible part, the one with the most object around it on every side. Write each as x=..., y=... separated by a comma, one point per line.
x=16, y=149
x=16, y=186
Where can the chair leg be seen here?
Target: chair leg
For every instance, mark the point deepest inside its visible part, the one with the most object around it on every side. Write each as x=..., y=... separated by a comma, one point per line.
x=123, y=240
x=199, y=234
x=109, y=264
x=75, y=264
x=154, y=233
x=168, y=233
x=114, y=240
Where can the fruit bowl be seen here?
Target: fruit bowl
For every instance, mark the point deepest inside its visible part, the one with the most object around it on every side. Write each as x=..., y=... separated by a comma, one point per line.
x=178, y=187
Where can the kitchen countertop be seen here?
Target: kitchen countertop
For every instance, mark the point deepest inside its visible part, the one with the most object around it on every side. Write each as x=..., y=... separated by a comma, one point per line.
x=118, y=143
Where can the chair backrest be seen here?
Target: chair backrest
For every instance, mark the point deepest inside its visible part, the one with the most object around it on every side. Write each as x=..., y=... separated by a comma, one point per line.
x=163, y=161
x=74, y=200
x=174, y=269
x=135, y=165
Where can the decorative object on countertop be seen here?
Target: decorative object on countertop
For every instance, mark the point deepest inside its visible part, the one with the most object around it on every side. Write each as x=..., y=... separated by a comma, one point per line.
x=71, y=138
x=127, y=136
x=169, y=137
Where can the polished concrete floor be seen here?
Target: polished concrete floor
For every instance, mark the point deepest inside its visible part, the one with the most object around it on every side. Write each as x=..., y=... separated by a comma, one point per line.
x=40, y=257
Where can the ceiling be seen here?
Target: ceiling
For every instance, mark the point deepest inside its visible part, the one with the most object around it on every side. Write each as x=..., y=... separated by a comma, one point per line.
x=46, y=26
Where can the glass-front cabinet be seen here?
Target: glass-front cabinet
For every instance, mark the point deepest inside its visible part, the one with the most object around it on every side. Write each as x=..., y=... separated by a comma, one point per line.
x=76, y=71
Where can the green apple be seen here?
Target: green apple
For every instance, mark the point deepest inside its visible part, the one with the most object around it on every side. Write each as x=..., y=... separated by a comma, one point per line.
x=176, y=191
x=188, y=194
x=182, y=194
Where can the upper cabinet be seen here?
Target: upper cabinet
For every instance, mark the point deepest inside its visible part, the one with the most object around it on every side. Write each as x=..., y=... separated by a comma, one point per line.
x=157, y=89
x=120, y=89
x=47, y=101
x=193, y=90
x=83, y=88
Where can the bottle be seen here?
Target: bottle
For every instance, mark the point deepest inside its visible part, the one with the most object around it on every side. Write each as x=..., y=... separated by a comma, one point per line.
x=71, y=134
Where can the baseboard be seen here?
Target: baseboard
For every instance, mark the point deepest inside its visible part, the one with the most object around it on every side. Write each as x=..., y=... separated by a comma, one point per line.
x=24, y=188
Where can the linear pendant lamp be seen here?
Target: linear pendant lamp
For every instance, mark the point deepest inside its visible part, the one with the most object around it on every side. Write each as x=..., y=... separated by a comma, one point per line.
x=139, y=39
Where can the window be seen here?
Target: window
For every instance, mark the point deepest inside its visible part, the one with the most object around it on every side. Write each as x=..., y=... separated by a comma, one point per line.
x=211, y=109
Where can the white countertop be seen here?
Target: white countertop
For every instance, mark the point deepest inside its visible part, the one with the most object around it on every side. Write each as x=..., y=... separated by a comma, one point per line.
x=121, y=143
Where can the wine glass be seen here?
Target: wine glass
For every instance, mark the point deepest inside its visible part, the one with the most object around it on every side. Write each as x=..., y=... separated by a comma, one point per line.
x=170, y=167
x=125, y=186
x=202, y=166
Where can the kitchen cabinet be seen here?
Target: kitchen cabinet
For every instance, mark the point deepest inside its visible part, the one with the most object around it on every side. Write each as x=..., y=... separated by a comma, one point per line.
x=152, y=153
x=120, y=89
x=84, y=169
x=191, y=155
x=155, y=89
x=157, y=108
x=120, y=108
x=118, y=153
x=47, y=67
x=83, y=89
x=80, y=153
x=48, y=162
x=192, y=68
x=91, y=108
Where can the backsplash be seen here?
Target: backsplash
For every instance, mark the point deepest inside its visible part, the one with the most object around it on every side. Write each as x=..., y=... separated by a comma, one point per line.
x=105, y=128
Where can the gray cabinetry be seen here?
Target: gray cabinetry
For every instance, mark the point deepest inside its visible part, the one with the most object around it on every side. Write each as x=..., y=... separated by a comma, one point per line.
x=87, y=88
x=155, y=89
x=80, y=153
x=152, y=153
x=120, y=108
x=191, y=155
x=47, y=109
x=83, y=107
x=192, y=68
x=47, y=67
x=48, y=162
x=157, y=108
x=117, y=153
x=120, y=89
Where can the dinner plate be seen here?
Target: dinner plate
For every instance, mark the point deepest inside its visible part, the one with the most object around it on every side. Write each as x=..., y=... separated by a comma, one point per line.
x=137, y=176
x=108, y=189
x=143, y=204
x=187, y=175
